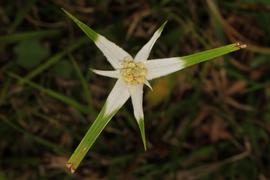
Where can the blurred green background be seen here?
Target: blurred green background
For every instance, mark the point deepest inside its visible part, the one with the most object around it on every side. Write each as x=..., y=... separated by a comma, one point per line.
x=210, y=121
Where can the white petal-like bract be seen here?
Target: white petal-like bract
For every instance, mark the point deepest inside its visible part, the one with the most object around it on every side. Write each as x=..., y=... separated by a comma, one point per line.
x=161, y=67
x=143, y=54
x=117, y=97
x=136, y=93
x=114, y=54
x=111, y=74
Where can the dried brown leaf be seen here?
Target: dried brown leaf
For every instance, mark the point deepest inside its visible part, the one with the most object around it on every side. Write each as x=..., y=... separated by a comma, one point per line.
x=237, y=87
x=230, y=101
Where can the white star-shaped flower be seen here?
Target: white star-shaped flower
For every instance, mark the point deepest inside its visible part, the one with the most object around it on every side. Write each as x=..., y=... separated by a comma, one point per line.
x=131, y=74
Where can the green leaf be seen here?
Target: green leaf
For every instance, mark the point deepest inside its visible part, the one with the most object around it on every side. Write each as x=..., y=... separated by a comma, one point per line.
x=84, y=84
x=53, y=94
x=30, y=53
x=88, y=140
x=33, y=137
x=28, y=35
x=86, y=29
x=210, y=54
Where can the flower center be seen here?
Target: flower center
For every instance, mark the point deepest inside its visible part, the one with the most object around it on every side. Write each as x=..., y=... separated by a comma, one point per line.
x=133, y=72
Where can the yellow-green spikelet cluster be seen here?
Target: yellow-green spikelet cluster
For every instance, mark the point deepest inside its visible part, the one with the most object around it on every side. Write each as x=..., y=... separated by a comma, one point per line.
x=133, y=72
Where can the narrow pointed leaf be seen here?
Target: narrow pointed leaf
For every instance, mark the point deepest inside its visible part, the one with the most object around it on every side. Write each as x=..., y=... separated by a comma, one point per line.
x=161, y=67
x=17, y=37
x=116, y=99
x=88, y=140
x=86, y=29
x=142, y=131
x=210, y=54
x=136, y=93
x=143, y=54
x=54, y=94
x=114, y=54
x=84, y=85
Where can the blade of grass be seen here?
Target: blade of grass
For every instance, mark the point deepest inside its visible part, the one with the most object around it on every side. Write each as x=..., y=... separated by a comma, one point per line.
x=53, y=94
x=18, y=160
x=27, y=5
x=4, y=90
x=189, y=26
x=42, y=141
x=215, y=12
x=28, y=35
x=84, y=84
x=54, y=59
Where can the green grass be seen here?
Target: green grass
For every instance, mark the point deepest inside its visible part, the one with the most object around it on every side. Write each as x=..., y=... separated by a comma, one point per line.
x=209, y=121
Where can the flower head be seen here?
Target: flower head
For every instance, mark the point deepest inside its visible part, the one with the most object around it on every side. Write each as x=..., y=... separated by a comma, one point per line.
x=133, y=72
